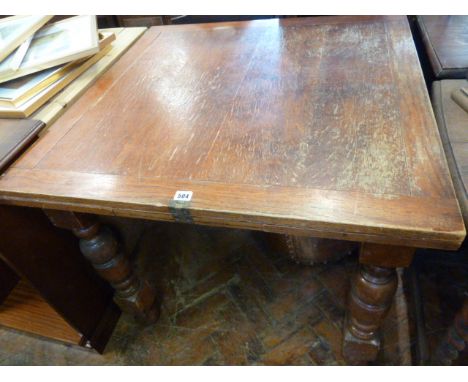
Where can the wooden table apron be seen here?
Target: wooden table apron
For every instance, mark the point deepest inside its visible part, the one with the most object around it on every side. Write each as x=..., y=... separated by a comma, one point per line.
x=311, y=126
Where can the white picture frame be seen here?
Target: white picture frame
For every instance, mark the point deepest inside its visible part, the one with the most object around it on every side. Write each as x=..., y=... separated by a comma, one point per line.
x=61, y=42
x=14, y=30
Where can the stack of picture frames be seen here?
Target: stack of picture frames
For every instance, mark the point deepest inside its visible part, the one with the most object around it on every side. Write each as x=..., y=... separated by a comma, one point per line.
x=39, y=58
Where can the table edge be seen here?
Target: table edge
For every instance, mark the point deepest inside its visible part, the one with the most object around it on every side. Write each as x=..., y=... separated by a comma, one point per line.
x=423, y=222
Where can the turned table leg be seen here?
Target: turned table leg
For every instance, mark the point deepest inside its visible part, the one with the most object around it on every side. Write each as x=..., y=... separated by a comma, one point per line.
x=100, y=246
x=371, y=295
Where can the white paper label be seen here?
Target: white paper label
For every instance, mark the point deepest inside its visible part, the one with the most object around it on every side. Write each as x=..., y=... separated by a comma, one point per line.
x=184, y=196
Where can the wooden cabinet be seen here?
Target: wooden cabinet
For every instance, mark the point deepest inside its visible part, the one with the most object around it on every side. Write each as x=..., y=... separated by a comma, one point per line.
x=46, y=287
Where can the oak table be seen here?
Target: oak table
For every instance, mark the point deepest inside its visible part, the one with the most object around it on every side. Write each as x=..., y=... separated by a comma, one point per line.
x=311, y=127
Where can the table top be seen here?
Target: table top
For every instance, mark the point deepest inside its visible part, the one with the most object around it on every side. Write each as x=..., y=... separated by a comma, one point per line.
x=446, y=42
x=308, y=126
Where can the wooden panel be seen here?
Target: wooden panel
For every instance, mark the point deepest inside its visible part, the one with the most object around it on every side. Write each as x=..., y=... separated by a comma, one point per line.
x=386, y=256
x=298, y=125
x=26, y=310
x=8, y=280
x=446, y=42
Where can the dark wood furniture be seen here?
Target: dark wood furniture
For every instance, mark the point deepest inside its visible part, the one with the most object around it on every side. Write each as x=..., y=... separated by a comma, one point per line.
x=15, y=136
x=445, y=40
x=8, y=280
x=21, y=305
x=47, y=288
x=453, y=122
x=312, y=127
x=453, y=126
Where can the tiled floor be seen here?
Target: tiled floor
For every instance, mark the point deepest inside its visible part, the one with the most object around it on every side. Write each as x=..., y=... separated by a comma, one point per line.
x=226, y=301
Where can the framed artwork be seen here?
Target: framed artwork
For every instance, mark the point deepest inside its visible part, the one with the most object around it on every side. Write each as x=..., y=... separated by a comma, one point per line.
x=15, y=30
x=33, y=92
x=61, y=42
x=15, y=92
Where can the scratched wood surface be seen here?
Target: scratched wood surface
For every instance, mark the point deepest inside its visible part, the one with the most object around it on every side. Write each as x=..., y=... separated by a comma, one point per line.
x=314, y=126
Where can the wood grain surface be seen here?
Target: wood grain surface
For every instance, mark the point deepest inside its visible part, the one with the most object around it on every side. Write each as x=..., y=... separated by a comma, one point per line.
x=313, y=126
x=446, y=42
x=26, y=310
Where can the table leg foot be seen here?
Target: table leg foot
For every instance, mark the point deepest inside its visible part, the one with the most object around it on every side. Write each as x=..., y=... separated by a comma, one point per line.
x=370, y=298
x=100, y=246
x=372, y=291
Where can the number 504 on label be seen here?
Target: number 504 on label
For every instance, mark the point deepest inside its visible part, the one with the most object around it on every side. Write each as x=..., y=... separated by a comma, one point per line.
x=184, y=196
